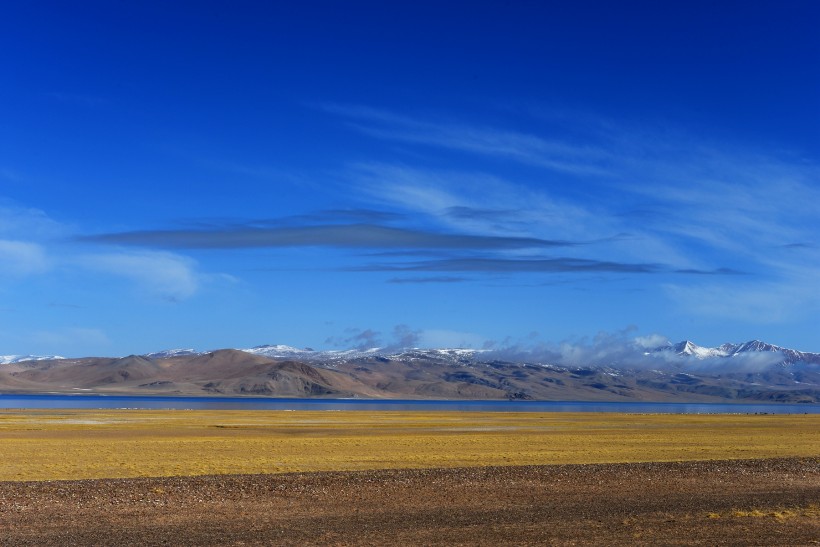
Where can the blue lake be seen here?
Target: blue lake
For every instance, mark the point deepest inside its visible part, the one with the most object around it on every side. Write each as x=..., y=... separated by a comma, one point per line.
x=262, y=403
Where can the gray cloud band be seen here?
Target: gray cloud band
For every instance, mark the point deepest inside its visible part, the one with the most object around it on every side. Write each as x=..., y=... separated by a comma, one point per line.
x=500, y=265
x=373, y=236
x=346, y=236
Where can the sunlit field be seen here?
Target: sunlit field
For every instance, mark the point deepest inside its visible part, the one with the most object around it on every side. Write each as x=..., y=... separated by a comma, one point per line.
x=74, y=444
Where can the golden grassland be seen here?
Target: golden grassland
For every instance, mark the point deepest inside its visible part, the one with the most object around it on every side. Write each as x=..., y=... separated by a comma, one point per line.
x=812, y=511
x=77, y=444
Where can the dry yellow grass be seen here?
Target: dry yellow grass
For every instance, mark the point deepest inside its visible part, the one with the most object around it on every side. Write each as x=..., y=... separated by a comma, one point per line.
x=73, y=444
x=810, y=512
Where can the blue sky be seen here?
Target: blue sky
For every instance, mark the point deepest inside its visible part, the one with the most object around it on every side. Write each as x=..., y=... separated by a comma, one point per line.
x=352, y=174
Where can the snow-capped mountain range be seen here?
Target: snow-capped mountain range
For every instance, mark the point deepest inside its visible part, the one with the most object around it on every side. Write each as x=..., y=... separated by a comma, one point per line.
x=790, y=356
x=623, y=370
x=168, y=353
x=9, y=359
x=685, y=349
x=307, y=354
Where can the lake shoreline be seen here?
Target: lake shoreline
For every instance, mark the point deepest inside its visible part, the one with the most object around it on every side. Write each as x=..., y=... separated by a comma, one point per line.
x=102, y=401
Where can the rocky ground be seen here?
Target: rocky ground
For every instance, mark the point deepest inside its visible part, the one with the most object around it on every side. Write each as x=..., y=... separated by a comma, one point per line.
x=749, y=502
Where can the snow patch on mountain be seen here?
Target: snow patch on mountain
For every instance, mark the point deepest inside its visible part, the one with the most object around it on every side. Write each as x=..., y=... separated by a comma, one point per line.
x=280, y=351
x=620, y=354
x=691, y=349
x=9, y=359
x=168, y=353
x=745, y=349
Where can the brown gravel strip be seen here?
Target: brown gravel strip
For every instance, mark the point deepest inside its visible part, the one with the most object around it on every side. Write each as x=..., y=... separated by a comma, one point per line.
x=744, y=502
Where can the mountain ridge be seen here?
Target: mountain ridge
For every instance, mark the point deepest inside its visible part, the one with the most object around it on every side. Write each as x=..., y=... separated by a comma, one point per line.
x=685, y=348
x=683, y=372
x=791, y=356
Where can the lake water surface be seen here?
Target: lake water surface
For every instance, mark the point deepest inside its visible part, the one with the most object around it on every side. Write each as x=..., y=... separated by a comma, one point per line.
x=263, y=403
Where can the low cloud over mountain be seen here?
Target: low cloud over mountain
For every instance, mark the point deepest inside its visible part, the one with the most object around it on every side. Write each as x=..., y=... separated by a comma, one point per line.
x=602, y=369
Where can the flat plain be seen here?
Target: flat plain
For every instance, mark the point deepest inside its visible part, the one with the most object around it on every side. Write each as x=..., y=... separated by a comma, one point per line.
x=85, y=444
x=321, y=477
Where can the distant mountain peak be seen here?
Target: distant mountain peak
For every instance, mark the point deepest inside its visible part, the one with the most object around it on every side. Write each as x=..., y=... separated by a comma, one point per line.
x=280, y=351
x=689, y=348
x=280, y=347
x=790, y=356
x=686, y=347
x=168, y=353
x=9, y=359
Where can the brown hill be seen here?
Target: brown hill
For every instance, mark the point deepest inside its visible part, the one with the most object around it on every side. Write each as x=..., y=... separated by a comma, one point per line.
x=233, y=372
x=223, y=372
x=91, y=372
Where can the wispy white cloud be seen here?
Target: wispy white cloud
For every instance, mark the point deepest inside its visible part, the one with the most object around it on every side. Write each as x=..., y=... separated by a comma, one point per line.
x=32, y=243
x=655, y=195
x=478, y=202
x=756, y=302
x=21, y=258
x=550, y=154
x=755, y=210
x=730, y=190
x=26, y=234
x=28, y=223
x=442, y=194
x=161, y=274
x=651, y=341
x=730, y=199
